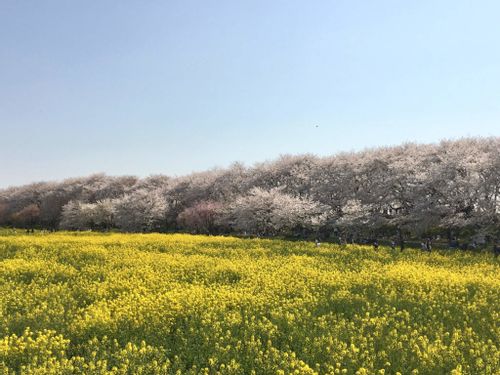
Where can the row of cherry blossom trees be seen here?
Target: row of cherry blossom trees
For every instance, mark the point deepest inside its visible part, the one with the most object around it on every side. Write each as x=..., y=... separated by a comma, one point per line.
x=409, y=190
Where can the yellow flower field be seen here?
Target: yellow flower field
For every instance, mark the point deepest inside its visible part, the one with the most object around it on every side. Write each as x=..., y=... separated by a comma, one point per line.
x=85, y=303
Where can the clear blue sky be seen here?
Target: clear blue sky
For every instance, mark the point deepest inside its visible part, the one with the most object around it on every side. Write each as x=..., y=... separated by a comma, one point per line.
x=145, y=87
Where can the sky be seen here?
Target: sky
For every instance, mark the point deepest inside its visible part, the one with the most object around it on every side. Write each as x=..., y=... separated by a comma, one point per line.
x=170, y=87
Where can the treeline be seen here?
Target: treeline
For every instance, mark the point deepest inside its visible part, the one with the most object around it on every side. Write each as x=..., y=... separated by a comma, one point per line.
x=411, y=190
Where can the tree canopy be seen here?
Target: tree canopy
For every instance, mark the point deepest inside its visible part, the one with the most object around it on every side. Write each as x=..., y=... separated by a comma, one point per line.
x=411, y=188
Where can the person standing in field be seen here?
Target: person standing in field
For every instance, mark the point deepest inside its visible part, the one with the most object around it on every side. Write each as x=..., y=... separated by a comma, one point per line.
x=428, y=244
x=393, y=245
x=375, y=244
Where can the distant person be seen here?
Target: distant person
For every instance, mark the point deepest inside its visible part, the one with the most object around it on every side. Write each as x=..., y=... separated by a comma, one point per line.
x=401, y=245
x=318, y=244
x=423, y=246
x=428, y=245
x=375, y=244
x=393, y=245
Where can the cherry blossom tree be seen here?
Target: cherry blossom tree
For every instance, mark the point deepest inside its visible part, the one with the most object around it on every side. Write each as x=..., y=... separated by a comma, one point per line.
x=140, y=211
x=203, y=217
